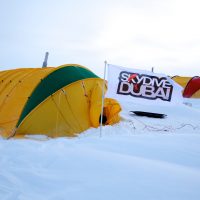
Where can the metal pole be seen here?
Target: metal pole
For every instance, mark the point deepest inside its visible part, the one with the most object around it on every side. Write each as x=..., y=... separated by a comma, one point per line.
x=45, y=60
x=103, y=96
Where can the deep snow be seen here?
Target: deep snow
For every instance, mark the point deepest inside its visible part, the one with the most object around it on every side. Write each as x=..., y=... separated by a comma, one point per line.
x=140, y=158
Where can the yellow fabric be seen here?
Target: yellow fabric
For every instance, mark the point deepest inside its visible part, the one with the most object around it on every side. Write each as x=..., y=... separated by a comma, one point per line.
x=196, y=94
x=181, y=80
x=69, y=111
x=65, y=113
x=96, y=104
x=111, y=111
x=15, y=88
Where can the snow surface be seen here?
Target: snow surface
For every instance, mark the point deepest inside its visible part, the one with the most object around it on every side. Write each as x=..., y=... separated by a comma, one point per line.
x=140, y=158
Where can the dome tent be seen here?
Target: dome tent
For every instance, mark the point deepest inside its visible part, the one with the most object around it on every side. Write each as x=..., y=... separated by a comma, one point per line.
x=60, y=101
x=191, y=86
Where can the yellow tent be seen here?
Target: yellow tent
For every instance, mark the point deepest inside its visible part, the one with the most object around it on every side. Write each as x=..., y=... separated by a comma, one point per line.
x=191, y=86
x=181, y=80
x=60, y=101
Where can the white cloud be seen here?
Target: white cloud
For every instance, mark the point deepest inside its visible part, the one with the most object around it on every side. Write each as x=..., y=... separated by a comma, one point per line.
x=144, y=33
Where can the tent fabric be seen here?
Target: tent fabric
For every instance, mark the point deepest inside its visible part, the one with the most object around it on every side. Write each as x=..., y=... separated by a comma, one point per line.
x=111, y=110
x=191, y=86
x=62, y=76
x=181, y=80
x=16, y=87
x=62, y=101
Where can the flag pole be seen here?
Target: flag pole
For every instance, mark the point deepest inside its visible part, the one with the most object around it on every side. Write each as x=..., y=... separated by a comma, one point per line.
x=103, y=96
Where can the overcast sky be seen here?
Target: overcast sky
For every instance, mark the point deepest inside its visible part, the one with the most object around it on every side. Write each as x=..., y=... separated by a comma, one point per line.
x=164, y=34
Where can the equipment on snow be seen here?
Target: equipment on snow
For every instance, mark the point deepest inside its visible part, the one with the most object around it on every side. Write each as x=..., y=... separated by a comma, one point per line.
x=148, y=114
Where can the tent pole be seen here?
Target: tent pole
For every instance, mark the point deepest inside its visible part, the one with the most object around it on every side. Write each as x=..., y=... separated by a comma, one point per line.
x=103, y=96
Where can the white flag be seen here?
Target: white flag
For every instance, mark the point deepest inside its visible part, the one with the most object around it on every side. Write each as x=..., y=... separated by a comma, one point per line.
x=140, y=86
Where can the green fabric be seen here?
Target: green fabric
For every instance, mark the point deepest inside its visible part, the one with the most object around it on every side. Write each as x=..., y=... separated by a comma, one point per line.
x=53, y=82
